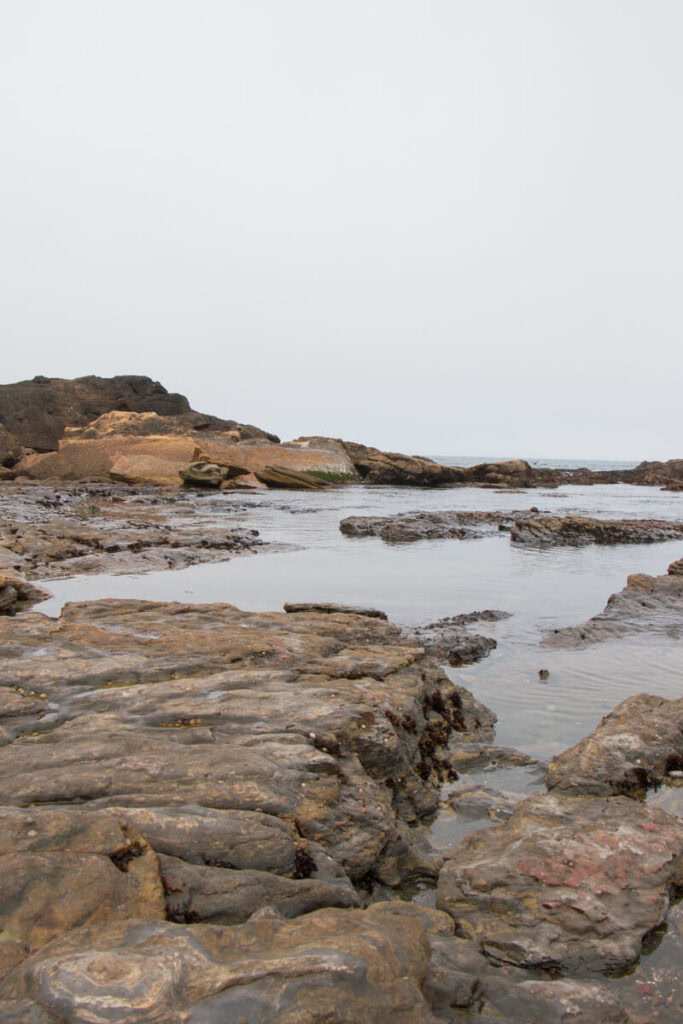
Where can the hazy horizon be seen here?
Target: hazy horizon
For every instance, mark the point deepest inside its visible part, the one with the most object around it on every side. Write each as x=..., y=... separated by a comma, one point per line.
x=442, y=227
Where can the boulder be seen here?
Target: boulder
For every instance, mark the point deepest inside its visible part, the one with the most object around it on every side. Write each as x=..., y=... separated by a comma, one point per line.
x=377, y=467
x=567, y=883
x=634, y=747
x=276, y=476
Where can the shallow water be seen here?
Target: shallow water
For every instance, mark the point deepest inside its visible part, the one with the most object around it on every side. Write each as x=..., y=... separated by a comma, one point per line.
x=417, y=583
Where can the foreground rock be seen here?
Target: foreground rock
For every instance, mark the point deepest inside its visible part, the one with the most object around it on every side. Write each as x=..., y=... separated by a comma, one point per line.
x=636, y=746
x=577, y=531
x=647, y=604
x=267, y=759
x=568, y=883
x=336, y=966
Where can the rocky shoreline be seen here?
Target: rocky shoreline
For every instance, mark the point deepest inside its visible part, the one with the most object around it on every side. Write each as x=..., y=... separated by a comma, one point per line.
x=210, y=814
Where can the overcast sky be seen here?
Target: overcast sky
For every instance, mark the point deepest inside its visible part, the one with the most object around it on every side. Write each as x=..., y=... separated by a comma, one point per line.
x=437, y=226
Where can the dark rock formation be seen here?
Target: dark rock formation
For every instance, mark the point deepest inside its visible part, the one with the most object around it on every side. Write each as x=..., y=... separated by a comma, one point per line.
x=330, y=608
x=405, y=527
x=146, y=424
x=450, y=640
x=38, y=410
x=577, y=531
x=634, y=747
x=568, y=883
x=647, y=604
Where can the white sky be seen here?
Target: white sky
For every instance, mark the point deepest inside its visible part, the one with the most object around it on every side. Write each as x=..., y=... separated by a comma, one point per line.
x=438, y=226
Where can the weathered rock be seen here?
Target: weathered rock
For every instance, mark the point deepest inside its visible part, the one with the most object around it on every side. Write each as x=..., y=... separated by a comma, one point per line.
x=330, y=608
x=568, y=883
x=634, y=747
x=204, y=474
x=319, y=719
x=577, y=531
x=159, y=460
x=65, y=867
x=332, y=965
x=647, y=604
x=377, y=467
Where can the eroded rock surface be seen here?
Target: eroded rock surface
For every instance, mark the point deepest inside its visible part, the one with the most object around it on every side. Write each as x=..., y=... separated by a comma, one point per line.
x=635, y=746
x=570, y=883
x=268, y=759
x=647, y=604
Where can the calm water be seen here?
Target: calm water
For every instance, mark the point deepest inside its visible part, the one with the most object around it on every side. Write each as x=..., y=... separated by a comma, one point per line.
x=416, y=583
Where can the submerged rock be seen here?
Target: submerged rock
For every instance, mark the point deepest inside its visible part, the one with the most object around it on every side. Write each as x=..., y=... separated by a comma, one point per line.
x=330, y=608
x=405, y=527
x=16, y=593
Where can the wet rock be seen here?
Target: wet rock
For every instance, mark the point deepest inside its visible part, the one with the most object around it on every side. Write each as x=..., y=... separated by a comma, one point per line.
x=648, y=604
x=330, y=608
x=448, y=639
x=568, y=883
x=406, y=527
x=634, y=747
x=346, y=966
x=577, y=531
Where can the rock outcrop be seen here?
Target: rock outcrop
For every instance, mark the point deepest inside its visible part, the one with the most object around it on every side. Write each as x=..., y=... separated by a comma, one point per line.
x=11, y=450
x=159, y=460
x=647, y=604
x=37, y=411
